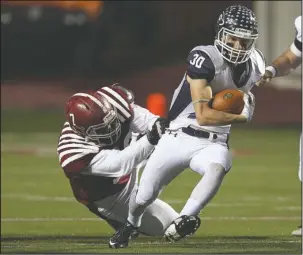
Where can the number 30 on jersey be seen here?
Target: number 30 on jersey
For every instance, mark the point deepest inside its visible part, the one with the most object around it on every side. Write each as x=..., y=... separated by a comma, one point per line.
x=197, y=61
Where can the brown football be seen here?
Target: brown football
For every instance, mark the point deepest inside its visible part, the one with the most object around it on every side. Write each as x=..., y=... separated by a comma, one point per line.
x=229, y=100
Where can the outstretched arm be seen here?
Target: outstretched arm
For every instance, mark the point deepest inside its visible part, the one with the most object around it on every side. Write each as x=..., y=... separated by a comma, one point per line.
x=287, y=61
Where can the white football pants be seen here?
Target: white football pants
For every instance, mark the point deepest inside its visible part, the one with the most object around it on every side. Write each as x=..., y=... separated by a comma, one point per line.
x=174, y=153
x=156, y=218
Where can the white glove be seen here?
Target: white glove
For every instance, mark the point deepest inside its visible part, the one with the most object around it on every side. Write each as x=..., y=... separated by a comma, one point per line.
x=249, y=106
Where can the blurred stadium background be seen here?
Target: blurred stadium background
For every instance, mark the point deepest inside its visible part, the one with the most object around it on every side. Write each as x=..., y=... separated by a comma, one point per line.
x=51, y=49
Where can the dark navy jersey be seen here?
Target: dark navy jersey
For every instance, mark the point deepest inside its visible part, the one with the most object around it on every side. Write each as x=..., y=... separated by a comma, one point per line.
x=200, y=66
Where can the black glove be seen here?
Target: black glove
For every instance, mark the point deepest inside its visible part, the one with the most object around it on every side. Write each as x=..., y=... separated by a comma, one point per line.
x=158, y=129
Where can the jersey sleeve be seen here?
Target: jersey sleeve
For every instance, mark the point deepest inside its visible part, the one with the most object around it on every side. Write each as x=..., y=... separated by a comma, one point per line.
x=74, y=152
x=116, y=163
x=143, y=120
x=200, y=66
x=296, y=46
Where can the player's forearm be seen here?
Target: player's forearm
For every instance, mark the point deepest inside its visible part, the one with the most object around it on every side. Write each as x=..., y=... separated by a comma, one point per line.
x=210, y=117
x=285, y=63
x=143, y=120
x=115, y=163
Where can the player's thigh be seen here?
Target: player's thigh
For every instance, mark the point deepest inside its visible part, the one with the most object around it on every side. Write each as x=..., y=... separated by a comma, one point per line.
x=166, y=162
x=215, y=153
x=113, y=209
x=157, y=217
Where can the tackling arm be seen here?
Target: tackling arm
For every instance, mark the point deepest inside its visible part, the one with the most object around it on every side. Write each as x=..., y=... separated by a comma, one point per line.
x=285, y=63
x=143, y=120
x=115, y=163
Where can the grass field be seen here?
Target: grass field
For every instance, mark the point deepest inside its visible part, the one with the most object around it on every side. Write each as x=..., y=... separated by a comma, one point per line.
x=257, y=207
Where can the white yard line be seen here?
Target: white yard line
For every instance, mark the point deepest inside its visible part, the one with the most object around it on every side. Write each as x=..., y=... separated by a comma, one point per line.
x=219, y=218
x=35, y=149
x=38, y=198
x=207, y=242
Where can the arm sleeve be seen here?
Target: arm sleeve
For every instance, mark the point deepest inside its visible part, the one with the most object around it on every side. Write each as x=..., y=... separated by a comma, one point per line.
x=143, y=120
x=296, y=46
x=115, y=163
x=200, y=66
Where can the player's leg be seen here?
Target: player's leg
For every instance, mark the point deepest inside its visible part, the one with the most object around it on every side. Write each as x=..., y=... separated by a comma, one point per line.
x=114, y=209
x=165, y=163
x=212, y=162
x=157, y=217
x=115, y=224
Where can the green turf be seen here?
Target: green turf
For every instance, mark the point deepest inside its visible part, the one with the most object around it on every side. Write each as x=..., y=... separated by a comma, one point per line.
x=255, y=210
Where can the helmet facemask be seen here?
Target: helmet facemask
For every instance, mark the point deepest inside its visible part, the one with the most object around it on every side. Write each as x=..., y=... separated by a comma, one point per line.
x=106, y=133
x=226, y=49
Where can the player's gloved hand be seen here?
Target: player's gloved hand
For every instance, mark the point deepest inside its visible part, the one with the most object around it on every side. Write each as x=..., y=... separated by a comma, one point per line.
x=249, y=106
x=267, y=76
x=157, y=130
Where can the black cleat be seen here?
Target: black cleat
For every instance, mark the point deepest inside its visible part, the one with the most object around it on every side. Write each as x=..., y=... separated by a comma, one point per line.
x=122, y=236
x=182, y=227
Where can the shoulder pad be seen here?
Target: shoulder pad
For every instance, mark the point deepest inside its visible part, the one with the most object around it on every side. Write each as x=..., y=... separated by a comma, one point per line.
x=214, y=55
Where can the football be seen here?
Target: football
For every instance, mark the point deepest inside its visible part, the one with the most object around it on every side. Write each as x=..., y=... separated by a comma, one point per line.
x=229, y=100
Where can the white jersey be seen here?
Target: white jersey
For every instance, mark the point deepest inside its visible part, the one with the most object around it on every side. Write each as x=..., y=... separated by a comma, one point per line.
x=205, y=62
x=296, y=46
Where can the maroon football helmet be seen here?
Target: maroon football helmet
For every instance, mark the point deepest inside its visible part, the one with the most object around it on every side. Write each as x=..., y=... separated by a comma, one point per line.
x=93, y=117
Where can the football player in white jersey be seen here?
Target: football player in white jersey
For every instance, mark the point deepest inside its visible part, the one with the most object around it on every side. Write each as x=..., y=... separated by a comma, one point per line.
x=198, y=135
x=96, y=156
x=282, y=66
